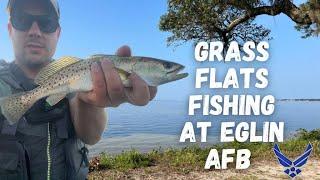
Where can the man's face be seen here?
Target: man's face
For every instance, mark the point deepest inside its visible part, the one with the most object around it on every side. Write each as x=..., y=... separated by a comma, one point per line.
x=33, y=47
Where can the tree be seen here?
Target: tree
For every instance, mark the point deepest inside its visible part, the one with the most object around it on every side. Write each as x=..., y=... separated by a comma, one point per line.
x=233, y=20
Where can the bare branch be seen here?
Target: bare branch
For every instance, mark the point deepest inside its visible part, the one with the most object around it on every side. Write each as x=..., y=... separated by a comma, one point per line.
x=286, y=7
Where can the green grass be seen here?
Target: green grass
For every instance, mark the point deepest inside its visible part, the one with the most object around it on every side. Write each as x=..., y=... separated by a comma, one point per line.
x=193, y=157
x=126, y=160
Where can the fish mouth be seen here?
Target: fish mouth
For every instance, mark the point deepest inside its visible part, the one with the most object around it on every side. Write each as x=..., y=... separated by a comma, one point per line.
x=174, y=73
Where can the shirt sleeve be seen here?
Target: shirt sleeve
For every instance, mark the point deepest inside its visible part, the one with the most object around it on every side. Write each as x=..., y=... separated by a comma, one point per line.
x=5, y=89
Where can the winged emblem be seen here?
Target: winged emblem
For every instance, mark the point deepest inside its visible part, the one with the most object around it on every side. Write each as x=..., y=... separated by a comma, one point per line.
x=292, y=168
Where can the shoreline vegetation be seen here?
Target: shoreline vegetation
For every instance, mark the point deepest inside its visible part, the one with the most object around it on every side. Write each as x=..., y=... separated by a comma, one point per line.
x=191, y=159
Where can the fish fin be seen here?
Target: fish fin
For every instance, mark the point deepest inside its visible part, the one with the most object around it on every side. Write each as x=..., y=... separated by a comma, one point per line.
x=54, y=67
x=55, y=98
x=13, y=107
x=124, y=76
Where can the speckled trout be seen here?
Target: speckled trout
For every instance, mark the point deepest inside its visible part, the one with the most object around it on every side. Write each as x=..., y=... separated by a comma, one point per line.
x=71, y=74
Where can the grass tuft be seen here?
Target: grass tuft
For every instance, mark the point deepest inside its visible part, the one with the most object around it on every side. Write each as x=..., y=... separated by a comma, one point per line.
x=126, y=160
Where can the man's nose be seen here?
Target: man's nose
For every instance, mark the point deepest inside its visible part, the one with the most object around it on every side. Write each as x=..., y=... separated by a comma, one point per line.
x=34, y=30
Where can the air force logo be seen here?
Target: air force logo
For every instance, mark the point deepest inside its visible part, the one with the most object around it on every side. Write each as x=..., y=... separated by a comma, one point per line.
x=292, y=169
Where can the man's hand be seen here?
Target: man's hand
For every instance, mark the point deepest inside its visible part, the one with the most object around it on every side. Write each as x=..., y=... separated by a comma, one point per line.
x=108, y=90
x=87, y=109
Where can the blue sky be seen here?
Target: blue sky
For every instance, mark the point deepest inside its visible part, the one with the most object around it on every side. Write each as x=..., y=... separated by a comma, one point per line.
x=100, y=26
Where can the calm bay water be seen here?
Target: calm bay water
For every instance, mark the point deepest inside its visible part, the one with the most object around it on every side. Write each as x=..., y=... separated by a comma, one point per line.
x=160, y=124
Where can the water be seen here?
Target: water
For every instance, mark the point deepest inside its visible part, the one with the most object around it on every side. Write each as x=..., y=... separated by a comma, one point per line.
x=160, y=124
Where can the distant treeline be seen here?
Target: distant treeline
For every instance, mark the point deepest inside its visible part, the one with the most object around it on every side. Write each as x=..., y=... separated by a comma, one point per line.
x=298, y=99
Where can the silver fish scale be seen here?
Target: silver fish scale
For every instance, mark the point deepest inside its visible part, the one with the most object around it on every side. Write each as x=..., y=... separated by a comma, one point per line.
x=76, y=77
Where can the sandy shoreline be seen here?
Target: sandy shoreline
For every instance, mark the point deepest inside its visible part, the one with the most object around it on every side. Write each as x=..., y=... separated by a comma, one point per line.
x=258, y=170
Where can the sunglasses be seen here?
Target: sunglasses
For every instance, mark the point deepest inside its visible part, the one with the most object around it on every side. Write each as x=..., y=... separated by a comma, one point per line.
x=23, y=22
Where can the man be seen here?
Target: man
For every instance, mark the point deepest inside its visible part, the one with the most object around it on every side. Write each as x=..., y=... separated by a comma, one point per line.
x=47, y=141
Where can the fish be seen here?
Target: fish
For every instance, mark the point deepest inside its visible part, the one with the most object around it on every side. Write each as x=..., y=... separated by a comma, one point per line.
x=71, y=74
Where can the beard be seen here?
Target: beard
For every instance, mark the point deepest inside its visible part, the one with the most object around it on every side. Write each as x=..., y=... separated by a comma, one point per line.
x=35, y=64
x=35, y=61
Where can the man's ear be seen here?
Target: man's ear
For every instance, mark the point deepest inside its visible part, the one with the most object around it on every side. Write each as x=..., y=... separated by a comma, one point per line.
x=58, y=32
x=9, y=28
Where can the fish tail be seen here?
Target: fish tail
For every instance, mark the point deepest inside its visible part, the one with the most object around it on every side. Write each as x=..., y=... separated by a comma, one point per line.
x=13, y=107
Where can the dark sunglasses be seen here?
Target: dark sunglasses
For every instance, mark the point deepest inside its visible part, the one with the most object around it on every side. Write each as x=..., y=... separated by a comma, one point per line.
x=23, y=22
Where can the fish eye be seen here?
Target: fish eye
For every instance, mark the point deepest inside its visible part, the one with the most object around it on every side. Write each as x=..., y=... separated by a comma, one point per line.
x=167, y=65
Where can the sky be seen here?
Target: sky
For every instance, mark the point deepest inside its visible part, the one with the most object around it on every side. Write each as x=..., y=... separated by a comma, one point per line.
x=90, y=27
